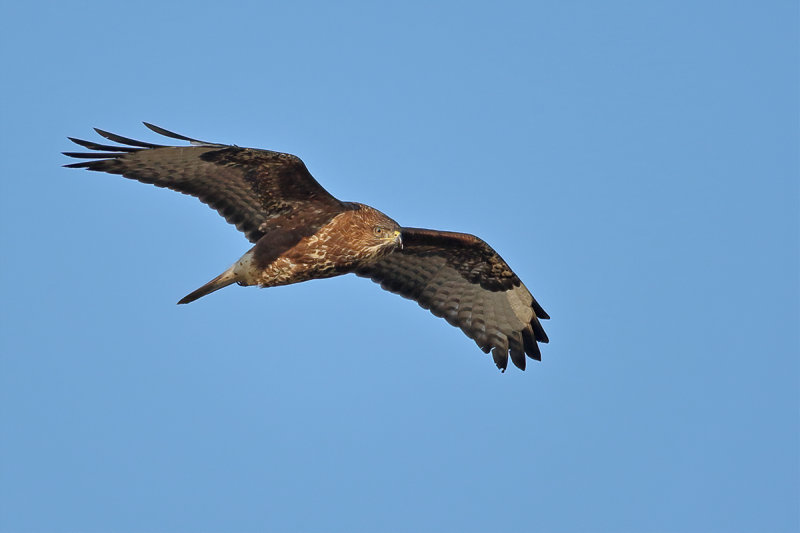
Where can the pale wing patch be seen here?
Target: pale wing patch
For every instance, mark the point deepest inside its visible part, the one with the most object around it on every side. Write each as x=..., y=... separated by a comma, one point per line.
x=521, y=300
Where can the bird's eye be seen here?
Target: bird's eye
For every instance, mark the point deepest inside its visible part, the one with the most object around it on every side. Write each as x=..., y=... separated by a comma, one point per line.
x=378, y=231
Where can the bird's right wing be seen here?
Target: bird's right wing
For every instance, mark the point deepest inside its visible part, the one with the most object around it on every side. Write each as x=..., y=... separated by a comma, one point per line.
x=248, y=187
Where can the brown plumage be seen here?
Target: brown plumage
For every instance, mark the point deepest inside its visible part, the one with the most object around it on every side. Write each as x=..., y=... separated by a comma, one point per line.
x=301, y=232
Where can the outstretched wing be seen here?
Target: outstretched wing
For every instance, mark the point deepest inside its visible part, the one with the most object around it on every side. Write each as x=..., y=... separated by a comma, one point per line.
x=462, y=279
x=248, y=187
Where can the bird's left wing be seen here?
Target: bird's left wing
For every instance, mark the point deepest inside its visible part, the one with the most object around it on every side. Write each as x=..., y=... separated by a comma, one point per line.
x=248, y=187
x=462, y=279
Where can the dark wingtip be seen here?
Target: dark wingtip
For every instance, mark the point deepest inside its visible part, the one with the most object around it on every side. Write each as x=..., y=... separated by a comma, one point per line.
x=92, y=155
x=171, y=134
x=500, y=357
x=540, y=313
x=535, y=353
x=82, y=164
x=531, y=347
x=125, y=140
x=539, y=331
x=102, y=147
x=518, y=358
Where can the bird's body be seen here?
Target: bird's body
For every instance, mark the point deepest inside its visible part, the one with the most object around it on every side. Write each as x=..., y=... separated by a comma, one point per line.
x=301, y=232
x=277, y=259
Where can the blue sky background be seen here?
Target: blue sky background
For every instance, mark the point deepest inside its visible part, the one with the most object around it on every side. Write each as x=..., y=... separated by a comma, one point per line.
x=635, y=162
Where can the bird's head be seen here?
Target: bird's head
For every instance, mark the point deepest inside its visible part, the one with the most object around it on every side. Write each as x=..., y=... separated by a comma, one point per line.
x=377, y=234
x=386, y=235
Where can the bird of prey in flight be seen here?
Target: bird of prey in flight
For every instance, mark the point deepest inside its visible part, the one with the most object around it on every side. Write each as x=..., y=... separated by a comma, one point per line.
x=301, y=232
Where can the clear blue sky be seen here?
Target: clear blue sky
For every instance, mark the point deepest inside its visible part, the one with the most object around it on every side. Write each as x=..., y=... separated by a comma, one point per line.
x=635, y=162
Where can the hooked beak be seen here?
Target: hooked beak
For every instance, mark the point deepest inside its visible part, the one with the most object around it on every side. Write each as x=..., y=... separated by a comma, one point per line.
x=398, y=238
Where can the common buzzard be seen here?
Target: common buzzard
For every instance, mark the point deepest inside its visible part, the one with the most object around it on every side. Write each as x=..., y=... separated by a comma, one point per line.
x=301, y=232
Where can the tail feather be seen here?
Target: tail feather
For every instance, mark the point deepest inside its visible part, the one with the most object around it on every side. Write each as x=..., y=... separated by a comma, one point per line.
x=223, y=280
